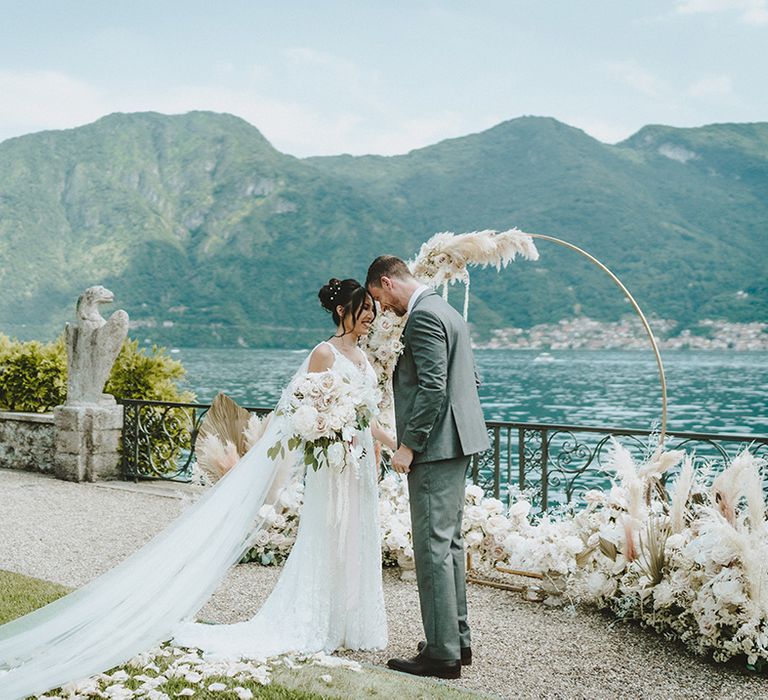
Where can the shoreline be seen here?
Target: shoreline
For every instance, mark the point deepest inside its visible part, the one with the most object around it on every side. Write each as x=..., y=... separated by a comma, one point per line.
x=585, y=333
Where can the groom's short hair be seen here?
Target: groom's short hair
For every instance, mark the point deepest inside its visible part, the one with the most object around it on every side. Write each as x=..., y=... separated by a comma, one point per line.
x=386, y=266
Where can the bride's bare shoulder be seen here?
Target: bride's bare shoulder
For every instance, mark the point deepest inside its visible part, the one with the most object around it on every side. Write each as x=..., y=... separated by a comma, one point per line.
x=321, y=359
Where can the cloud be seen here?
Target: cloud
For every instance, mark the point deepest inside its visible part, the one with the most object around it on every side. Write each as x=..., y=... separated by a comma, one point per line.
x=711, y=86
x=37, y=100
x=34, y=101
x=753, y=12
x=632, y=74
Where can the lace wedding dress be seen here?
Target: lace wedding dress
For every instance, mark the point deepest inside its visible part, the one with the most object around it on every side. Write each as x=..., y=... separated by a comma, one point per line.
x=329, y=593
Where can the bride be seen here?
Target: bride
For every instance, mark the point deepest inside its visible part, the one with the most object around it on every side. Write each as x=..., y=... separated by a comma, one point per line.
x=329, y=594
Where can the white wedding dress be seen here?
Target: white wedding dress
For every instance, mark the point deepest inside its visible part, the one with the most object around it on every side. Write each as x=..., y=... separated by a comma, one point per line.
x=329, y=594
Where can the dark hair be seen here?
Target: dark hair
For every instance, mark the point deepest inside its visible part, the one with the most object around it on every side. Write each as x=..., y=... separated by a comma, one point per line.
x=348, y=293
x=386, y=266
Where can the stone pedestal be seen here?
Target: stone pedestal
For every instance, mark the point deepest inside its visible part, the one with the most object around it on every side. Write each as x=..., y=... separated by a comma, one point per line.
x=88, y=441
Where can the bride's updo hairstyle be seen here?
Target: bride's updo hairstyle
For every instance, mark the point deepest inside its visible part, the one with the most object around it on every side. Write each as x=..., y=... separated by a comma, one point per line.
x=348, y=293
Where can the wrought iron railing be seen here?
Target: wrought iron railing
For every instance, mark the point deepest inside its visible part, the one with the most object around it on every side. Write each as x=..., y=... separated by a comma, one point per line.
x=159, y=438
x=554, y=464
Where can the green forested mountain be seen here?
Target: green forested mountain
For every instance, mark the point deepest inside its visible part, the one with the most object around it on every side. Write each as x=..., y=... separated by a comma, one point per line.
x=208, y=235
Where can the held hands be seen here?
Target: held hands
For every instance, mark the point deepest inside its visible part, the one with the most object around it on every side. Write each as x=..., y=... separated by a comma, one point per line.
x=402, y=459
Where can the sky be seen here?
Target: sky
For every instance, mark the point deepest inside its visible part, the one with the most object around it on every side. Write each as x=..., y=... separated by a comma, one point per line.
x=385, y=77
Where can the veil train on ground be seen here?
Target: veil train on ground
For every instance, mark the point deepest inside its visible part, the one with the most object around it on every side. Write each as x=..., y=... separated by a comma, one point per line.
x=138, y=604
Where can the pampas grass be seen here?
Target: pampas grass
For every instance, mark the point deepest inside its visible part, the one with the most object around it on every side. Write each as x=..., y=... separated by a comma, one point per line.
x=255, y=429
x=445, y=256
x=679, y=508
x=215, y=457
x=741, y=478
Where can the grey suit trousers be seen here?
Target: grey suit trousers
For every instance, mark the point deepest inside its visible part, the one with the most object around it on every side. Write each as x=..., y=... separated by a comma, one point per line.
x=436, y=491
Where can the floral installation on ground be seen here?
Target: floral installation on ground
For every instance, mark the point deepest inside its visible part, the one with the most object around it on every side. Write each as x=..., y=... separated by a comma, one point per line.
x=169, y=672
x=685, y=557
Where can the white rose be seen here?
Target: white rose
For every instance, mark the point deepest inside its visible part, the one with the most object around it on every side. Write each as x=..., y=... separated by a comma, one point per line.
x=474, y=492
x=261, y=539
x=328, y=382
x=493, y=506
x=321, y=425
x=519, y=509
x=304, y=420
x=473, y=538
x=496, y=523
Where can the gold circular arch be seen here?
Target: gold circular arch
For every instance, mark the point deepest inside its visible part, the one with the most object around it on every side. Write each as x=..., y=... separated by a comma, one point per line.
x=646, y=325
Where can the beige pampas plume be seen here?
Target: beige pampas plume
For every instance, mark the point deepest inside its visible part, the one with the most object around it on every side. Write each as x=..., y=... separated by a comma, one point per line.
x=620, y=460
x=446, y=256
x=630, y=550
x=732, y=483
x=255, y=429
x=680, y=495
x=215, y=457
x=660, y=463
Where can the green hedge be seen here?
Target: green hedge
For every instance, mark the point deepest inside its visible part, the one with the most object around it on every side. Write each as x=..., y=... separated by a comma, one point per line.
x=33, y=375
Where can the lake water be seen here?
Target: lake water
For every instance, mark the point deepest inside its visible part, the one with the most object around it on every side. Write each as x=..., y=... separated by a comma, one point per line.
x=707, y=391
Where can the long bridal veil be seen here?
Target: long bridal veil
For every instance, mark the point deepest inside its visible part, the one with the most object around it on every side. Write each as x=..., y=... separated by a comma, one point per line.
x=138, y=604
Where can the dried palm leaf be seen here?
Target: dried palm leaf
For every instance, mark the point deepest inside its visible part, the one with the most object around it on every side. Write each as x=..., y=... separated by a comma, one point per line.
x=608, y=549
x=227, y=421
x=652, y=558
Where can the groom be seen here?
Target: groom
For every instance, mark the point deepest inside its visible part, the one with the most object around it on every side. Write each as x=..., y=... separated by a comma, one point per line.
x=439, y=426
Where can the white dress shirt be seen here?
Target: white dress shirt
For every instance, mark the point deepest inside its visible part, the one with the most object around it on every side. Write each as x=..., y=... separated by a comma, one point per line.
x=416, y=294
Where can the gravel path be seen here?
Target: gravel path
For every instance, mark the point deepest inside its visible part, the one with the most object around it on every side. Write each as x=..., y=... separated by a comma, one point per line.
x=69, y=533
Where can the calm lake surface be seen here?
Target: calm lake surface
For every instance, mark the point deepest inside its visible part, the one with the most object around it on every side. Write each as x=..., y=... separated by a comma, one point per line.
x=707, y=391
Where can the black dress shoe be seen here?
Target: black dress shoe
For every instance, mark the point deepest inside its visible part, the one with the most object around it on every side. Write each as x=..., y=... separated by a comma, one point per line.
x=466, y=653
x=423, y=666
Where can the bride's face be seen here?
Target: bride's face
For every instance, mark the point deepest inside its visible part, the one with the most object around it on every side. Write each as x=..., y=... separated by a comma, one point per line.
x=364, y=320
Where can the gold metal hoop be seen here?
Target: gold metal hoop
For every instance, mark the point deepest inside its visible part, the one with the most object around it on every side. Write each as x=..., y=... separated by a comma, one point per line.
x=646, y=325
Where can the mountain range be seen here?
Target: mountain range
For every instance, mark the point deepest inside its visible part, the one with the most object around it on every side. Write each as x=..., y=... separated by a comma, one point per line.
x=208, y=235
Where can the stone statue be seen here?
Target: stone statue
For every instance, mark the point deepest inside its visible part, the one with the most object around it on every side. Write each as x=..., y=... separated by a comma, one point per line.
x=92, y=348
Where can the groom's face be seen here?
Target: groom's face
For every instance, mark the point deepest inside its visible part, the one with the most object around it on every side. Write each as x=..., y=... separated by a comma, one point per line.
x=386, y=296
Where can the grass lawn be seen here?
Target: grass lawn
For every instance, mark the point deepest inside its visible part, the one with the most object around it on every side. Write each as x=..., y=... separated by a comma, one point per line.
x=21, y=594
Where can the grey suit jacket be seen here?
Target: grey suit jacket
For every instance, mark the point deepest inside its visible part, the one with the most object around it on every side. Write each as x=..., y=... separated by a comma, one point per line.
x=437, y=409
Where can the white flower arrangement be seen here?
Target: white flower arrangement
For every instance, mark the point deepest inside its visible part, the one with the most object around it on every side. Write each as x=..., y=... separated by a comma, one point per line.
x=324, y=410
x=383, y=347
x=691, y=566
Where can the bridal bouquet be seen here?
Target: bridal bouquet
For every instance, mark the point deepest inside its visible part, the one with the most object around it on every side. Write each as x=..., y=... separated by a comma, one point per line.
x=324, y=410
